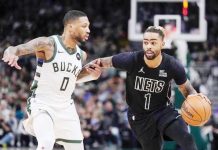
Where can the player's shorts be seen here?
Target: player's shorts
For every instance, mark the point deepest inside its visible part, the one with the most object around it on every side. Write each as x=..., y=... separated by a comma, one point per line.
x=66, y=121
x=149, y=128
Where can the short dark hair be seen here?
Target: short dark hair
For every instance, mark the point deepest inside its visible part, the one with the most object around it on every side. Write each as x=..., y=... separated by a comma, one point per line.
x=73, y=15
x=156, y=29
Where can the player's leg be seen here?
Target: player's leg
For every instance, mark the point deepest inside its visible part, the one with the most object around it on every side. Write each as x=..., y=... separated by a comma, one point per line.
x=146, y=131
x=72, y=146
x=182, y=137
x=44, y=131
x=68, y=130
x=156, y=143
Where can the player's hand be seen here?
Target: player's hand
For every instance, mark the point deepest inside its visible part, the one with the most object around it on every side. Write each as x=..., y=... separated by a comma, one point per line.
x=202, y=96
x=10, y=58
x=205, y=97
x=96, y=61
x=94, y=69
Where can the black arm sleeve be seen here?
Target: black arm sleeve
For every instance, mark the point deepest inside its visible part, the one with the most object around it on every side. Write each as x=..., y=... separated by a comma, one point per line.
x=179, y=73
x=123, y=61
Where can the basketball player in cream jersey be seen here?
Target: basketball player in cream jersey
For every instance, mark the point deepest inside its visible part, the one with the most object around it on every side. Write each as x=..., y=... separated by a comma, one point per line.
x=52, y=114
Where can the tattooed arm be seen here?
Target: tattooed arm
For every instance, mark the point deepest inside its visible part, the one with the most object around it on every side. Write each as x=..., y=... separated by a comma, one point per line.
x=122, y=61
x=94, y=68
x=43, y=45
x=187, y=89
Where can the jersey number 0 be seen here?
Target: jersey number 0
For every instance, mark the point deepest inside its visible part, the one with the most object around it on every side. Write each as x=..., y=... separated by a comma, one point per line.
x=64, y=83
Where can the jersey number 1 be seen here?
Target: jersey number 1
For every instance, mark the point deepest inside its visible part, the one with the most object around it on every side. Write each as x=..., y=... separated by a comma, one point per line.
x=147, y=101
x=64, y=83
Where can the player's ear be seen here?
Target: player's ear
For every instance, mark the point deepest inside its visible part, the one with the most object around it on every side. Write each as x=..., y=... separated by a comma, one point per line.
x=71, y=27
x=71, y=24
x=163, y=43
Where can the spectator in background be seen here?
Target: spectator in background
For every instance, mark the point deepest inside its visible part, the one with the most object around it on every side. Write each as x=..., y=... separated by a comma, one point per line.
x=6, y=132
x=110, y=123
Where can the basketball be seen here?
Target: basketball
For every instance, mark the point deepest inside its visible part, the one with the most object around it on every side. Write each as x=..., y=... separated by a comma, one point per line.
x=196, y=110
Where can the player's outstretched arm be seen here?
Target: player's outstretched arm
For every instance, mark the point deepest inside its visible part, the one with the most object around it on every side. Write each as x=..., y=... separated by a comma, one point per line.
x=91, y=71
x=106, y=62
x=122, y=61
x=12, y=53
x=187, y=89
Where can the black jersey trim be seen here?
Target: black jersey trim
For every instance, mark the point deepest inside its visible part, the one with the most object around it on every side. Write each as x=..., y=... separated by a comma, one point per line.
x=34, y=85
x=68, y=141
x=33, y=95
x=28, y=105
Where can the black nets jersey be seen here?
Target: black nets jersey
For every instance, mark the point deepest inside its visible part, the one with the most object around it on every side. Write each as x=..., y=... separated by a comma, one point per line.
x=148, y=89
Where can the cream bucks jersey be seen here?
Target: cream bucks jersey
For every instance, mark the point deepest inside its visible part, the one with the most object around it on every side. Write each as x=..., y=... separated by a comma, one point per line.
x=55, y=79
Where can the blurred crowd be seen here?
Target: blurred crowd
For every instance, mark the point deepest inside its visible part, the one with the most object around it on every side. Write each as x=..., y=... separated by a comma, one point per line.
x=100, y=104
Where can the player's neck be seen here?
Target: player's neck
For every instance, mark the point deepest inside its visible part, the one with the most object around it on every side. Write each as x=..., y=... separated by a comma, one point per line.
x=68, y=42
x=155, y=62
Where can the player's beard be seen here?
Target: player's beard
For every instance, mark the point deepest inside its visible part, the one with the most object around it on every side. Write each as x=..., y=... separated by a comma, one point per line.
x=150, y=55
x=79, y=39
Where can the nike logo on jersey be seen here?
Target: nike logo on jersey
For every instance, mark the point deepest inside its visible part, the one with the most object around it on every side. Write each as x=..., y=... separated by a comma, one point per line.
x=141, y=70
x=162, y=73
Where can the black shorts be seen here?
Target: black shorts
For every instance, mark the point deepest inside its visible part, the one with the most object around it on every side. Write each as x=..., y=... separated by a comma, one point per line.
x=149, y=128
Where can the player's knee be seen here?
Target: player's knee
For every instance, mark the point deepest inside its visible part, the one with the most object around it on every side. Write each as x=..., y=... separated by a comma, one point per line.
x=46, y=144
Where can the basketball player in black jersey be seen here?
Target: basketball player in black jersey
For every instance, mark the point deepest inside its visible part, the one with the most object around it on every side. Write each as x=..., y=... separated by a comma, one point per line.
x=148, y=85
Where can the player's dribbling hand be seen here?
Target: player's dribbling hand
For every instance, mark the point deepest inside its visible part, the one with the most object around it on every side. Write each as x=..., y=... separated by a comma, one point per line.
x=94, y=68
x=202, y=96
x=205, y=97
x=10, y=58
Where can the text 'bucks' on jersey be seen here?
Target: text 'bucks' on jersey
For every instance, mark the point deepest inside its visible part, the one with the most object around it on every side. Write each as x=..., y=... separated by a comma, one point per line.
x=55, y=79
x=148, y=89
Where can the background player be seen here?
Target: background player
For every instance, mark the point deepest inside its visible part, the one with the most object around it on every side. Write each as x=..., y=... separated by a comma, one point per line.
x=148, y=90
x=52, y=114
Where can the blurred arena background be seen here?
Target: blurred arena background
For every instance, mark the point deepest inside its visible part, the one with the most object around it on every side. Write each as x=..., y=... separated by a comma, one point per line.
x=116, y=26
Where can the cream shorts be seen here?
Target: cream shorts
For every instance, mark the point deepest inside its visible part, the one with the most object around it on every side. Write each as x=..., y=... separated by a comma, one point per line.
x=66, y=121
